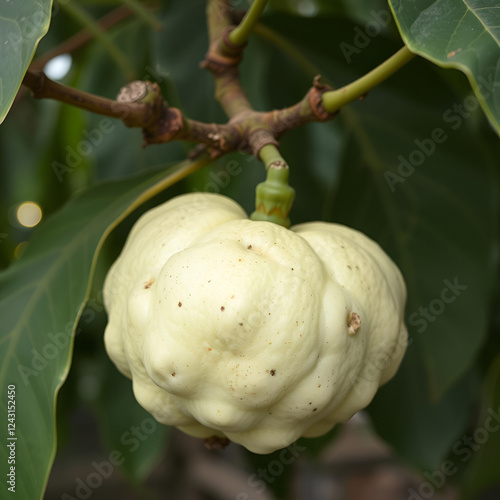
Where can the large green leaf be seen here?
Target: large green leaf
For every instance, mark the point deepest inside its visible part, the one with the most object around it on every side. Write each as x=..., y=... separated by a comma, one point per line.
x=462, y=34
x=119, y=414
x=22, y=24
x=41, y=298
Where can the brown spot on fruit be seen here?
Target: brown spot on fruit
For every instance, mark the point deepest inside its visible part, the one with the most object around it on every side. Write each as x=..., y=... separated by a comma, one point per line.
x=249, y=247
x=353, y=323
x=148, y=284
x=222, y=308
x=180, y=304
x=273, y=373
x=173, y=374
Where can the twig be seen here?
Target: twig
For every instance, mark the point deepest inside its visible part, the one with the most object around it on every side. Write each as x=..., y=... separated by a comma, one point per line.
x=42, y=87
x=140, y=104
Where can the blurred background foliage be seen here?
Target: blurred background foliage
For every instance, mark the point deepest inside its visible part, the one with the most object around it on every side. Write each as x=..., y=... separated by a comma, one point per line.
x=439, y=222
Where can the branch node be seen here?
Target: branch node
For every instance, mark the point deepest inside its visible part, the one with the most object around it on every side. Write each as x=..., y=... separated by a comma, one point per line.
x=223, y=54
x=166, y=129
x=316, y=102
x=318, y=84
x=135, y=91
x=259, y=138
x=228, y=47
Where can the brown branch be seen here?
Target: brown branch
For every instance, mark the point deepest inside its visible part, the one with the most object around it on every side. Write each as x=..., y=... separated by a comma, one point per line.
x=133, y=114
x=222, y=59
x=76, y=42
x=309, y=109
x=141, y=105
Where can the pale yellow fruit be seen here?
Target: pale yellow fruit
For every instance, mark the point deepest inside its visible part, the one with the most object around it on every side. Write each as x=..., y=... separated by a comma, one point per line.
x=230, y=327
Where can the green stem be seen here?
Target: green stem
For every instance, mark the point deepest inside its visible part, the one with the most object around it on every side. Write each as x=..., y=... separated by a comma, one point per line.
x=86, y=20
x=274, y=197
x=240, y=35
x=335, y=99
x=270, y=154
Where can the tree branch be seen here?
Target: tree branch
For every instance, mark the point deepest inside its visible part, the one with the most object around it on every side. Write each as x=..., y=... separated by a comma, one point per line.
x=223, y=58
x=141, y=105
x=42, y=87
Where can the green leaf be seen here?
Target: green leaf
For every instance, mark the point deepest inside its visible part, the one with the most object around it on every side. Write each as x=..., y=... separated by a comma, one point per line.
x=41, y=299
x=485, y=438
x=22, y=25
x=180, y=59
x=119, y=416
x=421, y=431
x=457, y=34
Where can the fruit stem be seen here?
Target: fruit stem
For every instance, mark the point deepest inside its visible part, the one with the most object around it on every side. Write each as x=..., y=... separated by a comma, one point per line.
x=270, y=154
x=274, y=196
